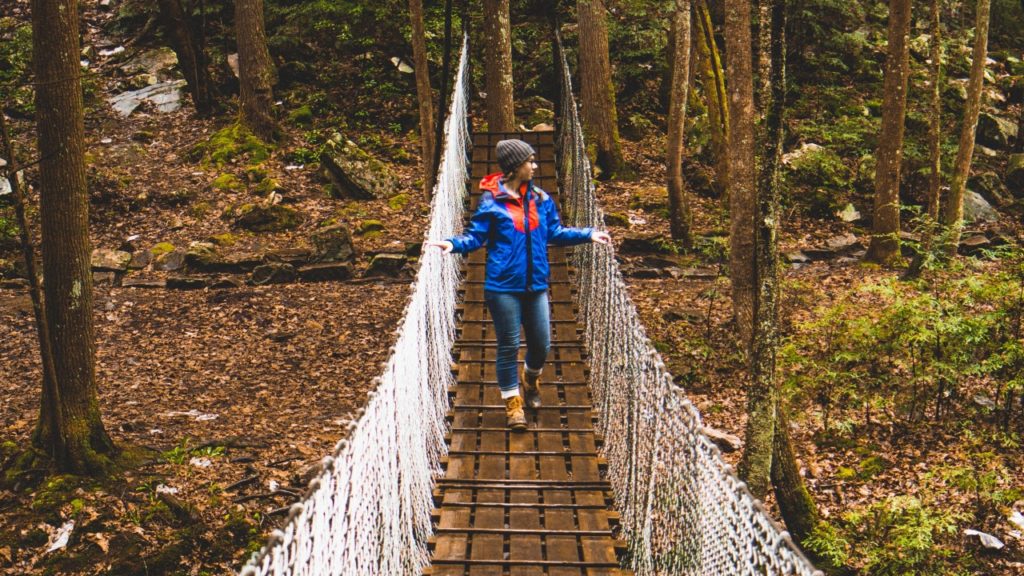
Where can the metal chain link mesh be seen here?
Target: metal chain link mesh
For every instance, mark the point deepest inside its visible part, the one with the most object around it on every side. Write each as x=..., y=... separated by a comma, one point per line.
x=683, y=509
x=368, y=512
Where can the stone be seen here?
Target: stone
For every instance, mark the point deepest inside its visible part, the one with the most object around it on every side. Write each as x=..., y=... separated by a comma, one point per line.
x=163, y=96
x=185, y=282
x=995, y=131
x=677, y=314
x=273, y=273
x=413, y=249
x=658, y=262
x=238, y=262
x=110, y=260
x=973, y=244
x=5, y=187
x=1014, y=178
x=325, y=272
x=263, y=218
x=543, y=127
x=368, y=226
x=805, y=149
x=143, y=282
x=700, y=273
x=356, y=174
x=104, y=278
x=389, y=265
x=991, y=188
x=294, y=256
x=170, y=261
x=726, y=442
x=333, y=244
x=977, y=209
x=616, y=219
x=797, y=257
x=649, y=244
x=226, y=282
x=202, y=256
x=158, y=63
x=643, y=273
x=842, y=243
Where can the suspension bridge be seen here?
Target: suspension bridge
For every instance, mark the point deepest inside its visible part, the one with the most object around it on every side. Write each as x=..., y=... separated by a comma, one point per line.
x=613, y=476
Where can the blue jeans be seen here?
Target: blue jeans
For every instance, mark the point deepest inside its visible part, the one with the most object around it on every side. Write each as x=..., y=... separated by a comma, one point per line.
x=509, y=311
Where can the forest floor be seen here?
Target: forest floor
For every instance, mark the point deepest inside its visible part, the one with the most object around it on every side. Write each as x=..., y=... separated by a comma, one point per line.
x=235, y=394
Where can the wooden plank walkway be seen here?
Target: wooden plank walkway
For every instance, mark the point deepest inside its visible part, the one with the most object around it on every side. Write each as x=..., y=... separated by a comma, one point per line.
x=533, y=503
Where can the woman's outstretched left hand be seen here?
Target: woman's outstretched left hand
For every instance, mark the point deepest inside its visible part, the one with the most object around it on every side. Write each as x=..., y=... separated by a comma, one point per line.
x=601, y=237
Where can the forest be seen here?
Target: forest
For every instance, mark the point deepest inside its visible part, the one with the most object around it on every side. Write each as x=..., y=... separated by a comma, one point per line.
x=211, y=212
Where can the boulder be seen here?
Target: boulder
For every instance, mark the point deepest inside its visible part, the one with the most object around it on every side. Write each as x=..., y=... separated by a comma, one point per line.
x=333, y=244
x=797, y=257
x=186, y=282
x=295, y=256
x=977, y=209
x=386, y=264
x=202, y=256
x=643, y=273
x=140, y=259
x=655, y=243
x=164, y=97
x=104, y=278
x=273, y=273
x=973, y=244
x=356, y=174
x=157, y=65
x=238, y=262
x=110, y=260
x=170, y=261
x=616, y=219
x=995, y=131
x=726, y=442
x=226, y=282
x=1015, y=175
x=991, y=188
x=849, y=213
x=263, y=218
x=326, y=271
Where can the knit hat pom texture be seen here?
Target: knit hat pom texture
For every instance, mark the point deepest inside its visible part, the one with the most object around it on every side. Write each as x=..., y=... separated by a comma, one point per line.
x=512, y=153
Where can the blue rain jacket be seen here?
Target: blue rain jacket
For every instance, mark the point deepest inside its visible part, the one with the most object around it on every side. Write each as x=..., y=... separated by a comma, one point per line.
x=517, y=261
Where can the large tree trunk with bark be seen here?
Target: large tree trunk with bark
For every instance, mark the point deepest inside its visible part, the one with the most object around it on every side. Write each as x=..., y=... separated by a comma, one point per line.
x=713, y=81
x=178, y=28
x=680, y=217
x=935, y=123
x=597, y=93
x=256, y=73
x=885, y=239
x=69, y=428
x=953, y=211
x=423, y=94
x=796, y=505
x=501, y=115
x=742, y=191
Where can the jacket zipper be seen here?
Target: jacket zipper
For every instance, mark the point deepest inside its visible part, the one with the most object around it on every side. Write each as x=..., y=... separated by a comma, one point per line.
x=529, y=246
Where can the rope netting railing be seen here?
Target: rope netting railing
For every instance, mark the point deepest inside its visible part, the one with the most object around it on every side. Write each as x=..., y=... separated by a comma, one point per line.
x=683, y=510
x=368, y=511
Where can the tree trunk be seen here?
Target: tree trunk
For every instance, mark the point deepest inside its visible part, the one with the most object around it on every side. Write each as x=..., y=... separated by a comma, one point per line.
x=713, y=80
x=885, y=240
x=796, y=505
x=935, y=124
x=762, y=396
x=742, y=191
x=69, y=425
x=597, y=93
x=501, y=115
x=680, y=217
x=256, y=73
x=191, y=58
x=423, y=94
x=953, y=211
x=1019, y=146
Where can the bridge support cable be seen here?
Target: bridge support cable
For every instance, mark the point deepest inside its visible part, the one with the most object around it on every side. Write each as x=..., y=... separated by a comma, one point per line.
x=683, y=509
x=368, y=511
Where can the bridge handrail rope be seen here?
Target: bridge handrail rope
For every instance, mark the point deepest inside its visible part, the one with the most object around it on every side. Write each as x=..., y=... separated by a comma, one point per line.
x=368, y=511
x=683, y=509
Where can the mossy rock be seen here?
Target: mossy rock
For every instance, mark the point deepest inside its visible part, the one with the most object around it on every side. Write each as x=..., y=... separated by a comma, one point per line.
x=267, y=186
x=1015, y=175
x=229, y=143
x=261, y=218
x=301, y=115
x=354, y=173
x=255, y=173
x=369, y=226
x=616, y=219
x=200, y=209
x=225, y=239
x=398, y=201
x=227, y=182
x=161, y=249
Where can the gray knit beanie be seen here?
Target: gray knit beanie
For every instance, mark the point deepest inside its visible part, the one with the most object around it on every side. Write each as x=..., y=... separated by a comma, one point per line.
x=512, y=153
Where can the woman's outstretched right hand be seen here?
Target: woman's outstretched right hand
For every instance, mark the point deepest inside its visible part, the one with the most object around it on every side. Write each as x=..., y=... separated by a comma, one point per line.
x=444, y=245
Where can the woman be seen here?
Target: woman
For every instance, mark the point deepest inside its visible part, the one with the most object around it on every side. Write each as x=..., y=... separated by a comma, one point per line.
x=517, y=220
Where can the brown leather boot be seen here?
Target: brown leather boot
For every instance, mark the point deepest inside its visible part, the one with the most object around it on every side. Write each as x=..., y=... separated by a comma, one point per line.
x=514, y=411
x=531, y=388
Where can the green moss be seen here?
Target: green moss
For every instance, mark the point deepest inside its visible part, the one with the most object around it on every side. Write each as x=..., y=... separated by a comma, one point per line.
x=161, y=249
x=200, y=209
x=398, y=201
x=275, y=218
x=872, y=466
x=255, y=173
x=227, y=182
x=225, y=239
x=55, y=492
x=370, y=226
x=267, y=186
x=229, y=143
x=301, y=115
x=616, y=219
x=846, y=473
